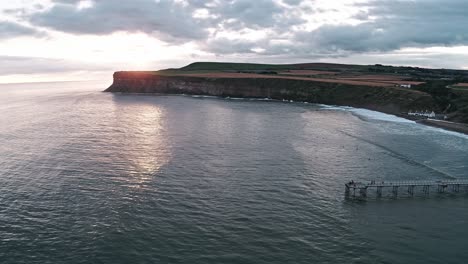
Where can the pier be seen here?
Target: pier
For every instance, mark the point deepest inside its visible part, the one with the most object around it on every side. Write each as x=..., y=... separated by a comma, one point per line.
x=361, y=189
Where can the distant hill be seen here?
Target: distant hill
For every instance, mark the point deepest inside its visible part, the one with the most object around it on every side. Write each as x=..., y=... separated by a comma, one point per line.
x=227, y=66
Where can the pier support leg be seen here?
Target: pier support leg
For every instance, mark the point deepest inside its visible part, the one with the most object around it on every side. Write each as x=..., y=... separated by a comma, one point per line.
x=411, y=190
x=395, y=191
x=363, y=192
x=456, y=188
x=426, y=189
x=441, y=188
x=379, y=191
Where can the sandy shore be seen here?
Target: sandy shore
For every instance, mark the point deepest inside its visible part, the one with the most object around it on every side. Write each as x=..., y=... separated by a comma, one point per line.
x=457, y=127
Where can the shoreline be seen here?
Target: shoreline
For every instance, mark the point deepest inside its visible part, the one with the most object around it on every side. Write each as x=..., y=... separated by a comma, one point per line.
x=446, y=125
x=450, y=126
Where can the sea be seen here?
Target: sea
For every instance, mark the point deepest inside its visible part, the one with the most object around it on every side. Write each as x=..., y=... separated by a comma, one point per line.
x=94, y=177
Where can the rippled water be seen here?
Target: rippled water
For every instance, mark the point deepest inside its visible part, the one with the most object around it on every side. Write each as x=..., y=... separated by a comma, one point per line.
x=91, y=177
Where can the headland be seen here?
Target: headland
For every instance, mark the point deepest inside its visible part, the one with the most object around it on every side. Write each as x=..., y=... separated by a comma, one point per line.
x=388, y=89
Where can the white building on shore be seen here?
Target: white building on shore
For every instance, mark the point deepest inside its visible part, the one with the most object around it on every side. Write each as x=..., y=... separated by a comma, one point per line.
x=405, y=86
x=423, y=113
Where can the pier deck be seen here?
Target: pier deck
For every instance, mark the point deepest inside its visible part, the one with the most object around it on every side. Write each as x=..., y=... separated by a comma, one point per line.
x=425, y=186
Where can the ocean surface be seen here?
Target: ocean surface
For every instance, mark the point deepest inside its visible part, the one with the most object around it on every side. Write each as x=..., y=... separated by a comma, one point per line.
x=92, y=177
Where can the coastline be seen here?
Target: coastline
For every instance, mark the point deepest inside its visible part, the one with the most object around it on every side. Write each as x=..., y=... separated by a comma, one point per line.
x=383, y=99
x=446, y=125
x=450, y=126
x=387, y=100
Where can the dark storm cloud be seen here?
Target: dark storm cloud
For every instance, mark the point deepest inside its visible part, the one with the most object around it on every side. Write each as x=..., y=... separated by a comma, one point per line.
x=12, y=30
x=397, y=24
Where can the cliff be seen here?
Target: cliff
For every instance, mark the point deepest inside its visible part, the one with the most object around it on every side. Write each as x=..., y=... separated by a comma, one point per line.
x=390, y=100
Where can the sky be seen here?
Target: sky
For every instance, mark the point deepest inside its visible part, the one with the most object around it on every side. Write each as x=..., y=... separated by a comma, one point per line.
x=63, y=40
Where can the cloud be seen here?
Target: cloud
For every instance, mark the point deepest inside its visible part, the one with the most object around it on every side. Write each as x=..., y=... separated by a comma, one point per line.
x=382, y=26
x=12, y=30
x=307, y=29
x=230, y=46
x=292, y=2
x=168, y=20
x=392, y=25
x=251, y=14
x=26, y=65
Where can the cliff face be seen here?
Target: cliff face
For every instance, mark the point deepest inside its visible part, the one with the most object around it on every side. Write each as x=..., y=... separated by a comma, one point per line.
x=383, y=99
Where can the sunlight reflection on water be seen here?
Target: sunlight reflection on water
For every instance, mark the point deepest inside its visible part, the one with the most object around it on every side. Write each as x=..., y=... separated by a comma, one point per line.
x=146, y=145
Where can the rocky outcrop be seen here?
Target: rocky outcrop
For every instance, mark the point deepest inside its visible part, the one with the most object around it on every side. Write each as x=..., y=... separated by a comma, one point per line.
x=385, y=99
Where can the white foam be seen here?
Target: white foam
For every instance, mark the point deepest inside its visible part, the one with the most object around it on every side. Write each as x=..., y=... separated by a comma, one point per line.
x=374, y=115
x=202, y=96
x=260, y=99
x=334, y=107
x=366, y=113
x=444, y=131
